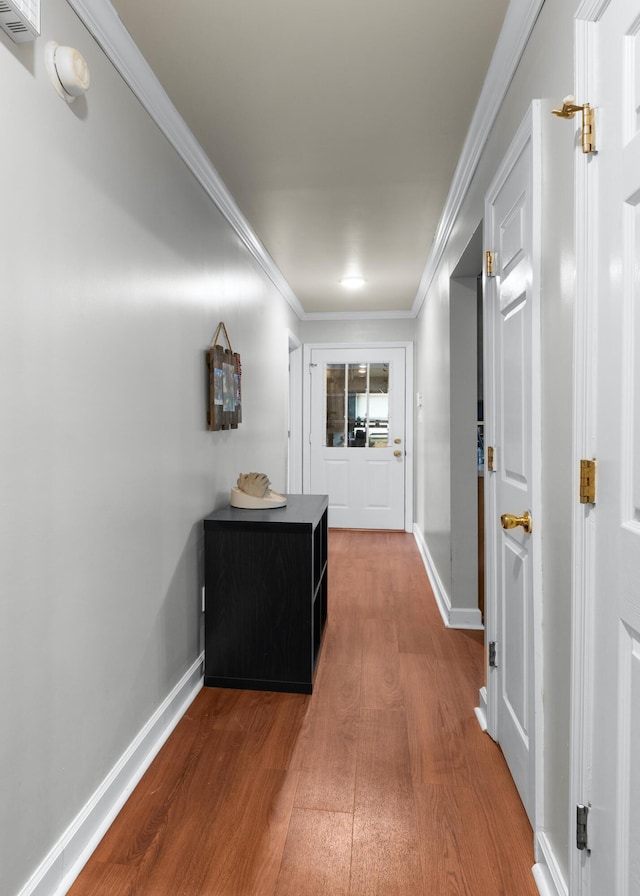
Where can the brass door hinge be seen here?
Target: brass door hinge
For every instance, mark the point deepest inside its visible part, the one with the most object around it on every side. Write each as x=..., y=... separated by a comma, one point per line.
x=490, y=261
x=588, y=136
x=491, y=465
x=587, y=482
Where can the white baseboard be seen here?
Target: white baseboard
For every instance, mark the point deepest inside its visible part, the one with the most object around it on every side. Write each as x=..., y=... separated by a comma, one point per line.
x=453, y=617
x=460, y=617
x=439, y=591
x=67, y=858
x=481, y=709
x=547, y=874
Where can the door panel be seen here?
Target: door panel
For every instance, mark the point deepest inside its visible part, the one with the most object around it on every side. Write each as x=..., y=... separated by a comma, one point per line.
x=512, y=237
x=515, y=637
x=515, y=410
x=337, y=482
x=629, y=775
x=377, y=491
x=358, y=435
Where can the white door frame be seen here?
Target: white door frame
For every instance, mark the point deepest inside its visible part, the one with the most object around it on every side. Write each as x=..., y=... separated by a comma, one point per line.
x=306, y=422
x=529, y=130
x=584, y=392
x=294, y=414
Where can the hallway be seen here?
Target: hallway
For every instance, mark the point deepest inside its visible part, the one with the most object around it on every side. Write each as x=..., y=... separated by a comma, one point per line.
x=380, y=784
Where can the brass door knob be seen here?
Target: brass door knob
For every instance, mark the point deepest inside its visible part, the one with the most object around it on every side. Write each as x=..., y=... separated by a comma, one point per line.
x=509, y=521
x=397, y=453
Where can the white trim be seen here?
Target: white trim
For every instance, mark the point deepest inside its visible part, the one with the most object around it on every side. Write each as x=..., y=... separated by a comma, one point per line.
x=443, y=601
x=409, y=384
x=584, y=393
x=536, y=474
x=517, y=27
x=294, y=415
x=69, y=855
x=588, y=11
x=359, y=315
x=102, y=21
x=543, y=881
x=466, y=618
x=409, y=438
x=490, y=512
x=481, y=709
x=548, y=870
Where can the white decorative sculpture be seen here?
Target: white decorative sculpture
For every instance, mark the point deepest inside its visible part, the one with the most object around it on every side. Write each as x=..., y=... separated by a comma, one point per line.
x=253, y=493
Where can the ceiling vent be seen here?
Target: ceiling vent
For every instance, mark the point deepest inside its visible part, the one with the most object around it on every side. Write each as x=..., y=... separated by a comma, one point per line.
x=20, y=19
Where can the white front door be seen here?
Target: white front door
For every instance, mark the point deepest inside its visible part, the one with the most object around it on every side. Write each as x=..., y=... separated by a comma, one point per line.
x=513, y=431
x=358, y=435
x=612, y=712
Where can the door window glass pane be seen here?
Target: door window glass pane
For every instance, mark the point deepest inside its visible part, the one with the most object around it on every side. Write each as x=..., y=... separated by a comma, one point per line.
x=378, y=405
x=357, y=403
x=335, y=402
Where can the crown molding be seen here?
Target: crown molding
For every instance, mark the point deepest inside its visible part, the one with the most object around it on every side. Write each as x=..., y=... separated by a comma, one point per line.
x=358, y=315
x=516, y=29
x=591, y=10
x=102, y=21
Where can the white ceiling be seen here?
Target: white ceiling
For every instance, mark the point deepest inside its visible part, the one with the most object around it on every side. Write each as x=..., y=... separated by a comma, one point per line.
x=336, y=126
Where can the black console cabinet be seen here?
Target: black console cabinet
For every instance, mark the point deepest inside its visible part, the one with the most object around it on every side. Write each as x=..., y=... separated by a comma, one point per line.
x=265, y=595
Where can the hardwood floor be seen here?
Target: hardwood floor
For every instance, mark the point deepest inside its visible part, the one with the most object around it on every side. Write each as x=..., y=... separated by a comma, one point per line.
x=380, y=784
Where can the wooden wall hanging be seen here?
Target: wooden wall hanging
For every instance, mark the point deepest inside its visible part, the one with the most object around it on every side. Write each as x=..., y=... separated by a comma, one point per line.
x=225, y=384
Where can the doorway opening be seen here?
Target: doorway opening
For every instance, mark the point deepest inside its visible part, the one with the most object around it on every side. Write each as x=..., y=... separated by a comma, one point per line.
x=467, y=437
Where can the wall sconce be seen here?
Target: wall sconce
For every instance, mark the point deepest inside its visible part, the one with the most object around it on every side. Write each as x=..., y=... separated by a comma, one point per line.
x=67, y=70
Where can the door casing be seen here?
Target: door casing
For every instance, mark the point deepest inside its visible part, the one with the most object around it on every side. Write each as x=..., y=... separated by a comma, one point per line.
x=583, y=522
x=294, y=414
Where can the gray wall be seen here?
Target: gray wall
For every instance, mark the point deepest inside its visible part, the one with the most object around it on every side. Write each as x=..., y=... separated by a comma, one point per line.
x=546, y=72
x=359, y=330
x=116, y=271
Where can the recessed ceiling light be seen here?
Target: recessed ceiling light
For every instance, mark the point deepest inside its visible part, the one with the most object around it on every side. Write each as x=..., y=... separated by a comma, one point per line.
x=352, y=282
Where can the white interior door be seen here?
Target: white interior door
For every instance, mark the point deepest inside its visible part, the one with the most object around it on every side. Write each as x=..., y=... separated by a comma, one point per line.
x=513, y=424
x=612, y=712
x=358, y=435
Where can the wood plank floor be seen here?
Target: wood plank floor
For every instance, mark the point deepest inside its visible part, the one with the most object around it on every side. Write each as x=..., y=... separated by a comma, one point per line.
x=380, y=784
